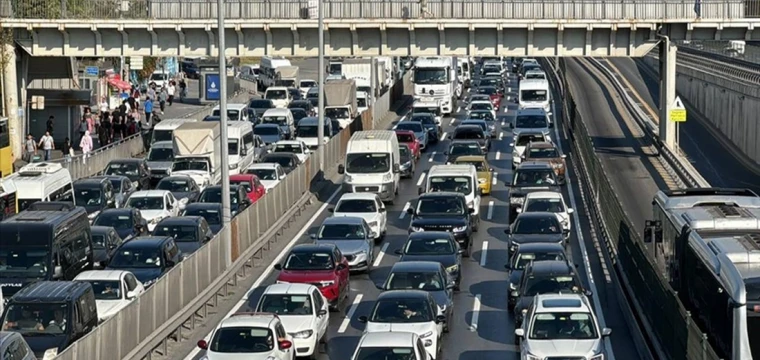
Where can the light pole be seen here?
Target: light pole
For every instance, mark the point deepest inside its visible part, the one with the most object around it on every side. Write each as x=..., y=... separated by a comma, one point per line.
x=226, y=217
x=321, y=108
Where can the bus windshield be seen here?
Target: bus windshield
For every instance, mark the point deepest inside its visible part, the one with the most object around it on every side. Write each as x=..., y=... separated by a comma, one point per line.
x=23, y=262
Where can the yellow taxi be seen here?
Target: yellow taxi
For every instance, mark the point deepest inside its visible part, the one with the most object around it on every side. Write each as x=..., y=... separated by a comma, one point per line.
x=485, y=172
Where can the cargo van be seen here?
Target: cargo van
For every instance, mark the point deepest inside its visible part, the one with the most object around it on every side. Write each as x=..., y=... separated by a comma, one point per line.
x=455, y=178
x=535, y=93
x=240, y=146
x=268, y=70
x=308, y=131
x=163, y=130
x=235, y=112
x=372, y=164
x=279, y=95
x=45, y=181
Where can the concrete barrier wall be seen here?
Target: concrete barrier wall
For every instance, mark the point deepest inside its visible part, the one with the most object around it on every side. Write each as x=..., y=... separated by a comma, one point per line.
x=729, y=106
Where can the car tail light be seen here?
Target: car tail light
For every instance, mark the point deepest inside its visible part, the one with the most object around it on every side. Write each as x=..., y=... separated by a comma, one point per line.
x=285, y=344
x=203, y=344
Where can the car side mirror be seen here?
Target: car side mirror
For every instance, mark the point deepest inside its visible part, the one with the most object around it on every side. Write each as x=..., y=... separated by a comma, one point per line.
x=202, y=344
x=341, y=169
x=508, y=267
x=606, y=332
x=564, y=156
x=588, y=293
x=551, y=125
x=519, y=333
x=450, y=286
x=471, y=211
x=440, y=319
x=410, y=211
x=322, y=312
x=565, y=232
x=570, y=211
x=380, y=286
x=382, y=210
x=420, y=191
x=490, y=169
x=399, y=252
x=313, y=236
x=460, y=251
x=278, y=267
x=396, y=169
x=372, y=234
x=341, y=267
x=58, y=272
x=446, y=153
x=363, y=319
x=170, y=263
x=508, y=231
x=131, y=295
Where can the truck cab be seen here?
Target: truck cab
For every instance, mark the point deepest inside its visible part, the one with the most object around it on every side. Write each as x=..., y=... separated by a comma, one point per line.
x=372, y=164
x=197, y=152
x=435, y=78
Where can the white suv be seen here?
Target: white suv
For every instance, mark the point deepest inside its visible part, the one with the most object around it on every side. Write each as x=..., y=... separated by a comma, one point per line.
x=561, y=326
x=367, y=206
x=249, y=336
x=391, y=345
x=303, y=312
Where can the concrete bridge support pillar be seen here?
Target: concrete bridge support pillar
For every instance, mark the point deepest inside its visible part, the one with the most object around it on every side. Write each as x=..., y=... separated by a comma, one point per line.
x=11, y=96
x=667, y=92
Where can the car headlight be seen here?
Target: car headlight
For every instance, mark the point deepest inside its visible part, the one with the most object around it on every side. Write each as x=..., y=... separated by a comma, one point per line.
x=326, y=283
x=233, y=166
x=134, y=184
x=471, y=204
x=512, y=287
x=425, y=335
x=460, y=228
x=93, y=215
x=282, y=282
x=387, y=177
x=481, y=181
x=270, y=357
x=598, y=357
x=156, y=220
x=349, y=178
x=406, y=165
x=416, y=229
x=50, y=354
x=452, y=268
x=305, y=334
x=516, y=200
x=442, y=309
x=373, y=224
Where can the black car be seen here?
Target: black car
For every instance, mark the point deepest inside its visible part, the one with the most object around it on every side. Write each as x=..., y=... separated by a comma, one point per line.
x=94, y=195
x=462, y=148
x=148, y=257
x=295, y=93
x=181, y=186
x=212, y=212
x=105, y=240
x=261, y=105
x=298, y=114
x=438, y=246
x=528, y=253
x=127, y=222
x=301, y=104
x=288, y=161
x=444, y=211
x=472, y=133
x=136, y=170
x=408, y=164
x=428, y=122
x=530, y=177
x=239, y=200
x=535, y=227
x=543, y=277
x=494, y=81
x=189, y=232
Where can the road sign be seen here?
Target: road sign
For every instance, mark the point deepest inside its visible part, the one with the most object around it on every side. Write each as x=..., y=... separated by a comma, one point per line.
x=135, y=62
x=677, y=111
x=91, y=71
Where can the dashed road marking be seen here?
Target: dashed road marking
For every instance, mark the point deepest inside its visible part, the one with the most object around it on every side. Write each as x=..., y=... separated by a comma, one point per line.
x=432, y=156
x=501, y=135
x=350, y=314
x=498, y=155
x=483, y=253
x=490, y=210
x=443, y=136
x=380, y=255
x=403, y=211
x=421, y=180
x=475, y=314
x=494, y=179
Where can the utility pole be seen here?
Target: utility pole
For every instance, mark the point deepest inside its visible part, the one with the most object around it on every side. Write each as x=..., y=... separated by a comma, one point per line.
x=226, y=217
x=321, y=68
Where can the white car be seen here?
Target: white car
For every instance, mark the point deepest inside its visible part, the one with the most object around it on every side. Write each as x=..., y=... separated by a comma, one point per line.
x=367, y=206
x=270, y=174
x=481, y=105
x=562, y=326
x=548, y=201
x=279, y=95
x=390, y=345
x=155, y=205
x=303, y=312
x=296, y=147
x=409, y=311
x=305, y=85
x=114, y=290
x=249, y=336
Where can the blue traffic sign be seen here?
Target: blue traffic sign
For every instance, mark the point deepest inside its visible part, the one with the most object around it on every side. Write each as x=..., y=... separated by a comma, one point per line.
x=91, y=71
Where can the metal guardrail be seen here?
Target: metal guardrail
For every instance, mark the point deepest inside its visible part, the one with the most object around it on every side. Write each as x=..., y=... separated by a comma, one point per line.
x=184, y=293
x=666, y=320
x=734, y=52
x=719, y=64
x=644, y=10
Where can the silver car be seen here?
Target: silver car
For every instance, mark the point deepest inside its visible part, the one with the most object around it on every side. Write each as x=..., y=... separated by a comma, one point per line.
x=14, y=347
x=353, y=236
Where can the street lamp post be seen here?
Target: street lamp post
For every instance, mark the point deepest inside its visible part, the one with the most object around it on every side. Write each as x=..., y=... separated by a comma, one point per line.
x=226, y=217
x=321, y=68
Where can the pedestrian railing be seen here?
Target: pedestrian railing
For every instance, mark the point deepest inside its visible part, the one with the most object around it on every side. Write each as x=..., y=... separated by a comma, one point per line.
x=86, y=165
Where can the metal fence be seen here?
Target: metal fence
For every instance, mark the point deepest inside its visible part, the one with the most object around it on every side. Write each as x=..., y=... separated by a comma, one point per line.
x=184, y=292
x=672, y=326
x=645, y=10
x=82, y=166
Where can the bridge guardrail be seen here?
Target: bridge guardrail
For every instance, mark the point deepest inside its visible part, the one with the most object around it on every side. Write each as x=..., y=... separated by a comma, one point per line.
x=184, y=293
x=644, y=10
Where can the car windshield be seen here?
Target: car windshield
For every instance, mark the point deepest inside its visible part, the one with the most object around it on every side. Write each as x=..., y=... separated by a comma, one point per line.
x=543, y=153
x=410, y=125
x=550, y=284
x=288, y=148
x=309, y=261
x=180, y=233
x=487, y=90
x=214, y=195
x=286, y=304
x=136, y=258
x=159, y=77
x=537, y=225
x=535, y=75
x=425, y=119
x=479, y=97
x=277, y=120
x=232, y=146
x=544, y=205
x=36, y=319
x=183, y=165
x=430, y=76
x=386, y=353
x=368, y=163
x=284, y=161
x=106, y=289
x=308, y=84
x=522, y=260
x=309, y=131
x=276, y=94
x=436, y=111
x=231, y=114
x=126, y=169
x=242, y=339
x=337, y=113
x=490, y=81
x=563, y=326
x=146, y=202
x=356, y=206
x=174, y=185
x=465, y=149
x=442, y=246
x=533, y=95
x=480, y=124
x=401, y=311
x=534, y=177
x=524, y=140
x=481, y=106
x=162, y=135
x=263, y=174
x=261, y=104
x=404, y=153
x=481, y=115
x=116, y=221
x=212, y=216
x=361, y=102
x=24, y=262
x=161, y=154
x=244, y=183
x=342, y=232
x=405, y=138
x=530, y=121
x=469, y=134
x=266, y=130
x=427, y=281
x=440, y=205
x=479, y=165
x=458, y=184
x=298, y=114
x=87, y=197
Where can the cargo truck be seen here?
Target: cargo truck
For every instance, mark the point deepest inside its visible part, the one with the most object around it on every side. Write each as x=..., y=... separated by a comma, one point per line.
x=340, y=101
x=360, y=70
x=197, y=152
x=288, y=76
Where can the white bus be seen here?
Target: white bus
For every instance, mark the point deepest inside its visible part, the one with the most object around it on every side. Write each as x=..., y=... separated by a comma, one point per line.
x=240, y=146
x=164, y=130
x=268, y=69
x=43, y=181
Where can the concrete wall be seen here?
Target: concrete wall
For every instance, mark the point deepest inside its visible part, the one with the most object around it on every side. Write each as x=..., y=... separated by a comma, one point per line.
x=730, y=106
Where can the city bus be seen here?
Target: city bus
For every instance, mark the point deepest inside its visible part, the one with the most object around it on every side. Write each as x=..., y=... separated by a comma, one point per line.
x=6, y=156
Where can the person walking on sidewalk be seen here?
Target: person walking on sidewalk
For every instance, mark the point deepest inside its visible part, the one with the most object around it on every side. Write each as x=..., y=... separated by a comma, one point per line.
x=46, y=143
x=182, y=90
x=68, y=151
x=148, y=110
x=86, y=145
x=170, y=90
x=50, y=123
x=30, y=148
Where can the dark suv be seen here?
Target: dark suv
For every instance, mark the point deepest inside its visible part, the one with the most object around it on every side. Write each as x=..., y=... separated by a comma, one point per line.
x=444, y=211
x=462, y=148
x=530, y=177
x=534, y=227
x=544, y=277
x=94, y=195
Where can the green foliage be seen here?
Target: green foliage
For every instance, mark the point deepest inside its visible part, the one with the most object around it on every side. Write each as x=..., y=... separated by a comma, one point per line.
x=150, y=64
x=78, y=9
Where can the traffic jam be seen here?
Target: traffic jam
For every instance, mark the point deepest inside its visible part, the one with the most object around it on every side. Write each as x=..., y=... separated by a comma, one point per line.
x=396, y=258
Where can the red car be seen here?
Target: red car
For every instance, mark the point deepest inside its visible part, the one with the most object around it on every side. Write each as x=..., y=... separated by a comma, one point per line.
x=322, y=265
x=407, y=137
x=253, y=186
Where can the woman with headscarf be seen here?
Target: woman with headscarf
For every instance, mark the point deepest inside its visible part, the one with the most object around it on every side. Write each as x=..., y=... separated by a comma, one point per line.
x=86, y=145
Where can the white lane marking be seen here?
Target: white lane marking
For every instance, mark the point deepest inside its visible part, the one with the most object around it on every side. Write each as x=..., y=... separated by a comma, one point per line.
x=443, y=136
x=490, y=210
x=379, y=257
x=270, y=268
x=501, y=134
x=475, y=314
x=494, y=179
x=459, y=108
x=403, y=211
x=582, y=245
x=432, y=155
x=350, y=314
x=421, y=180
x=498, y=155
x=451, y=122
x=483, y=253
x=509, y=89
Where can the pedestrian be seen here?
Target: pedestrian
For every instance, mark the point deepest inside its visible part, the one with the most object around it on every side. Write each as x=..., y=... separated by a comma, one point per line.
x=104, y=107
x=107, y=125
x=68, y=151
x=124, y=107
x=46, y=143
x=131, y=127
x=49, y=124
x=162, y=95
x=102, y=136
x=30, y=148
x=170, y=90
x=86, y=145
x=182, y=90
x=89, y=119
x=118, y=128
x=148, y=110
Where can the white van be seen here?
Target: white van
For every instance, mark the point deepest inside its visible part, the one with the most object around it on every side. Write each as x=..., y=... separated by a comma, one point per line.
x=240, y=146
x=455, y=178
x=160, y=78
x=535, y=93
x=43, y=181
x=279, y=95
x=372, y=164
x=235, y=112
x=283, y=118
x=164, y=130
x=268, y=69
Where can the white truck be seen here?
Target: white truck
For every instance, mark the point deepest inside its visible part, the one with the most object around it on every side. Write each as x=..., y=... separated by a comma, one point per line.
x=435, y=78
x=360, y=70
x=288, y=76
x=340, y=101
x=372, y=164
x=197, y=152
x=388, y=66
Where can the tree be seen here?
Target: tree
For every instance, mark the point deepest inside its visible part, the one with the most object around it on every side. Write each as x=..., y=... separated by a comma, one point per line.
x=78, y=9
x=150, y=64
x=6, y=38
